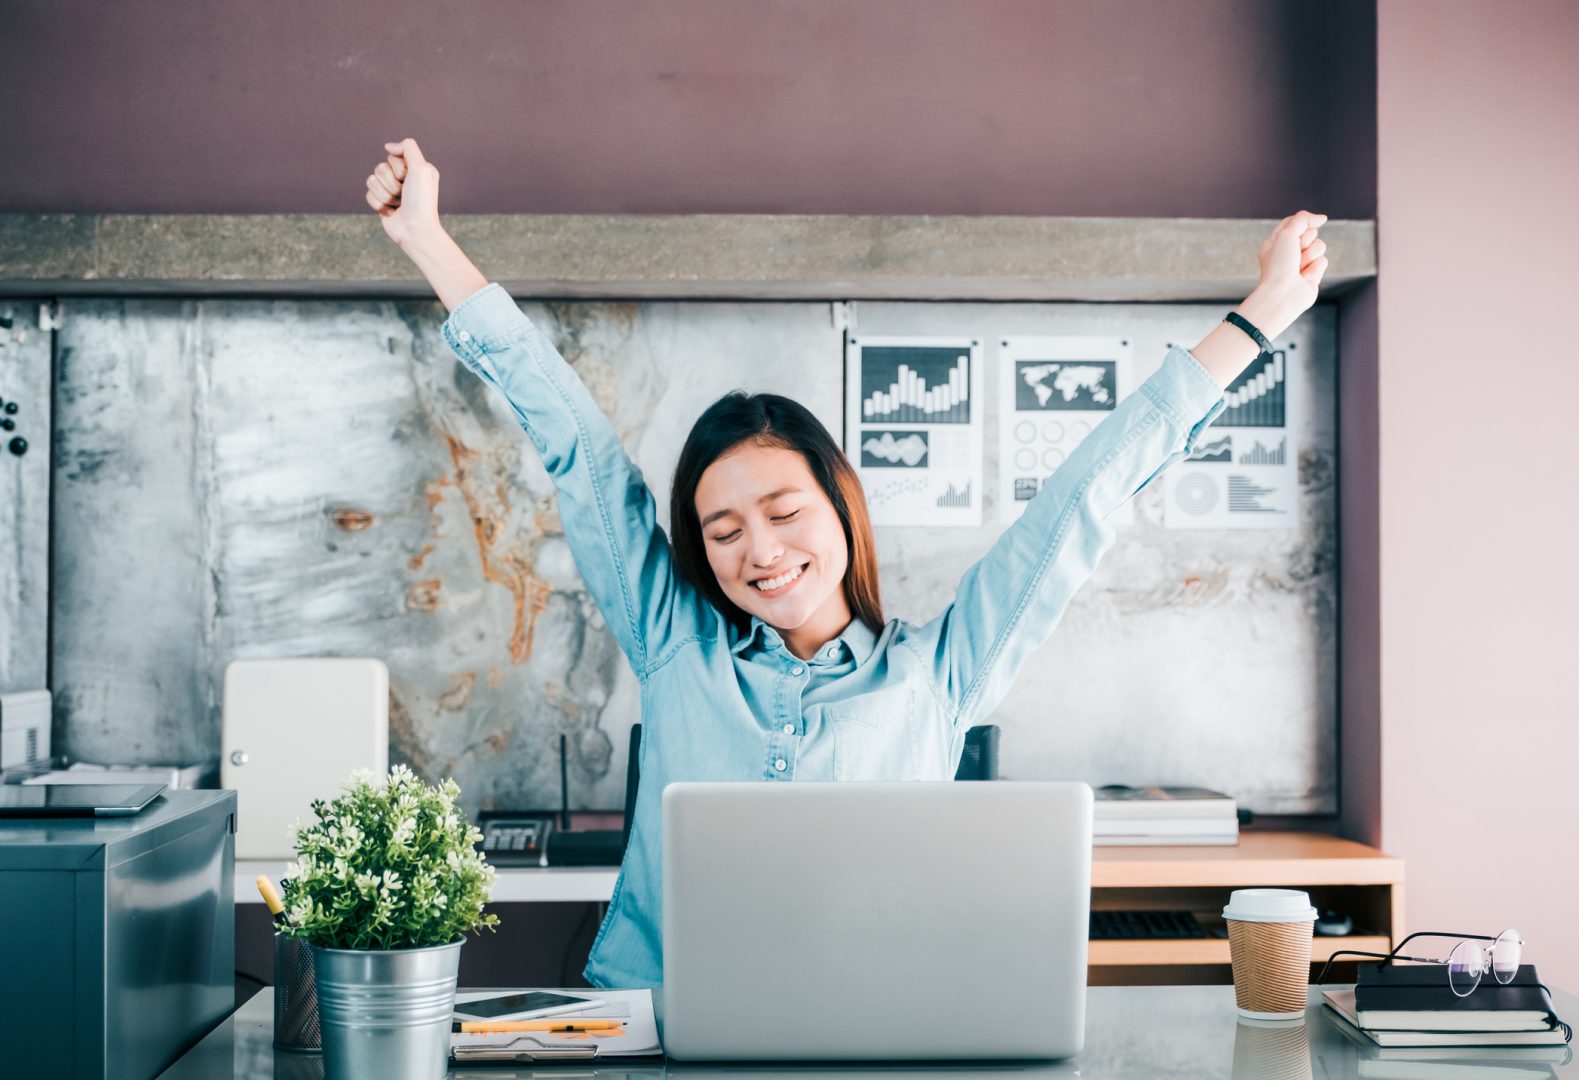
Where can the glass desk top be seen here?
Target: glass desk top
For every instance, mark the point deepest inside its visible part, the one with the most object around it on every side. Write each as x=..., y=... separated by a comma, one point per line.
x=1136, y=1032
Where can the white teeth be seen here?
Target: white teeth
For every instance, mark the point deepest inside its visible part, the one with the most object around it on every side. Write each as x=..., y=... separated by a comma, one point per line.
x=778, y=582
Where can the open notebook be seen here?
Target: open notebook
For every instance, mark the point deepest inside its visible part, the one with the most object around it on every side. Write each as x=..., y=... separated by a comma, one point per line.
x=638, y=1038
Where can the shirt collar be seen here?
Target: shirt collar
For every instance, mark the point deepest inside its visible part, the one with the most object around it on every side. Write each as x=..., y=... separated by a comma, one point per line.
x=858, y=638
x=758, y=635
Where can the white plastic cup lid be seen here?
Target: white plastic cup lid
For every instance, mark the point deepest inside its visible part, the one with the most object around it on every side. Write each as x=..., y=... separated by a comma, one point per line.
x=1269, y=905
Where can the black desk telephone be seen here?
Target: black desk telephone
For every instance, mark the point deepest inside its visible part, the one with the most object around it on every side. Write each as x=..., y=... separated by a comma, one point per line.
x=540, y=838
x=514, y=838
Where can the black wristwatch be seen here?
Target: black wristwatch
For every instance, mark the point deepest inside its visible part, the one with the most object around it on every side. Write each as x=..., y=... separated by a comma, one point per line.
x=1236, y=319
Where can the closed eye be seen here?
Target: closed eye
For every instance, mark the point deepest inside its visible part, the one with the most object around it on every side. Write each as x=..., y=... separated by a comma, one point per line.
x=787, y=517
x=726, y=538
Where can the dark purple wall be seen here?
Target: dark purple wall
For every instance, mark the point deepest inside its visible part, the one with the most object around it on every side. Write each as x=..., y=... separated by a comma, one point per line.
x=1213, y=108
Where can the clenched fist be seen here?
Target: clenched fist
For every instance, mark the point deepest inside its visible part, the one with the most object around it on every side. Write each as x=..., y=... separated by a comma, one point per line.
x=1293, y=260
x=404, y=191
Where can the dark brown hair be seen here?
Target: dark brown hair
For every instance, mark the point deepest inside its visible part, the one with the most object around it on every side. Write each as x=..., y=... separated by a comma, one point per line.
x=772, y=420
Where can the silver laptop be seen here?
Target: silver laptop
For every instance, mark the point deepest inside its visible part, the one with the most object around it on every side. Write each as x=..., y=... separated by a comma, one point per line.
x=857, y=921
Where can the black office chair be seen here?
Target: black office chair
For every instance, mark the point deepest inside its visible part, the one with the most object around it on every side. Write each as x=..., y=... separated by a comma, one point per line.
x=979, y=761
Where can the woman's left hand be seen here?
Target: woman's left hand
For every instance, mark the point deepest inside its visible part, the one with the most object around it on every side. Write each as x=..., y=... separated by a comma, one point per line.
x=1293, y=260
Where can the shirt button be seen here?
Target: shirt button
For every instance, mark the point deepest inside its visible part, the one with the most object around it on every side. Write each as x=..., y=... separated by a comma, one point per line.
x=781, y=764
x=789, y=729
x=796, y=670
x=464, y=336
x=833, y=650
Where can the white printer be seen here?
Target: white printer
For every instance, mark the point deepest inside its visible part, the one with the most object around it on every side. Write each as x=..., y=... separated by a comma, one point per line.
x=24, y=728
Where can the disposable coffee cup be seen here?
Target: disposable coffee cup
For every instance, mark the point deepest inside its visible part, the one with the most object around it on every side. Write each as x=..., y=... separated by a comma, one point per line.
x=1269, y=932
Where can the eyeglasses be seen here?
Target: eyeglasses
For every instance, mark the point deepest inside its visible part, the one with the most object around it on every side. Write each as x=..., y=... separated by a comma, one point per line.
x=1468, y=961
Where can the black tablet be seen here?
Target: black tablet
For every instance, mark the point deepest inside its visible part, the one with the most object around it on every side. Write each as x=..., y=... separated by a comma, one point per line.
x=75, y=800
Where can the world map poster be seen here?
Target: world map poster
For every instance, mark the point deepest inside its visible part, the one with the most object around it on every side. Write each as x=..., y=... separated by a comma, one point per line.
x=1051, y=392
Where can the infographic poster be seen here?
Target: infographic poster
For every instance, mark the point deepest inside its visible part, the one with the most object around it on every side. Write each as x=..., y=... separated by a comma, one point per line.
x=1052, y=391
x=1244, y=473
x=913, y=427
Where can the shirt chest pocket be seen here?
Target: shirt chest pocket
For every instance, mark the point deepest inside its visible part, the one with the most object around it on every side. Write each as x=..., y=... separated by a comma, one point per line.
x=875, y=736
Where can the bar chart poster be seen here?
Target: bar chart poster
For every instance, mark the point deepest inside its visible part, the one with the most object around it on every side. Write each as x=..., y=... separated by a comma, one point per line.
x=914, y=427
x=1244, y=473
x=1051, y=392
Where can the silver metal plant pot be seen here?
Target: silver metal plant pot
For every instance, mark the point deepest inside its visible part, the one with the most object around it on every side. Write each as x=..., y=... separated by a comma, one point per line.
x=386, y=1014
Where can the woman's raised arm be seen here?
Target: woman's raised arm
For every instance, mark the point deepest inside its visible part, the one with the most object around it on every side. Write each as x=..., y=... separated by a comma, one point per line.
x=1292, y=259
x=404, y=192
x=605, y=506
x=1011, y=599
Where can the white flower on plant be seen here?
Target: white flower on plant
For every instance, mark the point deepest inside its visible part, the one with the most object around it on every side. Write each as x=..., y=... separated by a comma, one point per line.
x=423, y=887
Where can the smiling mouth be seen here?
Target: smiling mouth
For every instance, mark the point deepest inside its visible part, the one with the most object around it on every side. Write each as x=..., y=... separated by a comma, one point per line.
x=780, y=583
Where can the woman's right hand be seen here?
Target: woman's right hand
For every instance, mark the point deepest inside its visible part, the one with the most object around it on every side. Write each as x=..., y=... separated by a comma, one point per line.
x=404, y=191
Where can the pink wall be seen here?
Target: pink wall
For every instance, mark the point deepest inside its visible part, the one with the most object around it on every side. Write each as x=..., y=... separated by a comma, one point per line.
x=1215, y=108
x=1478, y=216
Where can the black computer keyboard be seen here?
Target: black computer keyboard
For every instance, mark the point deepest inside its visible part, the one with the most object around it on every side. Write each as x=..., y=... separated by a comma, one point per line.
x=1120, y=925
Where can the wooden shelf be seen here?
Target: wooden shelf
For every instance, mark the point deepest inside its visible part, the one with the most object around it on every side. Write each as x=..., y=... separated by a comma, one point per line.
x=1364, y=882
x=1131, y=953
x=1270, y=859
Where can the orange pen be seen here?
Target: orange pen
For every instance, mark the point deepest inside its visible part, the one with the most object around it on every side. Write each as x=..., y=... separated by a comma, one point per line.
x=472, y=1027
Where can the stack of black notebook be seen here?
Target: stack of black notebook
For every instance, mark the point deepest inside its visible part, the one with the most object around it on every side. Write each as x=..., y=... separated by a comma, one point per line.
x=1411, y=1005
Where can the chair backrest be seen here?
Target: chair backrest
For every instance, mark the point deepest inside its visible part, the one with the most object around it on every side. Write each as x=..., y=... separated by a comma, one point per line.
x=632, y=777
x=980, y=759
x=978, y=762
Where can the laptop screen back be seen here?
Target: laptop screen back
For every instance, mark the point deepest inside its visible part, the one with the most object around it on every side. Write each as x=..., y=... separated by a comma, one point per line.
x=824, y=921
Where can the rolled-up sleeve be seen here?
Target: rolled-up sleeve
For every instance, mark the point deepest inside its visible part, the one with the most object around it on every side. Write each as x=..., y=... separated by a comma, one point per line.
x=605, y=505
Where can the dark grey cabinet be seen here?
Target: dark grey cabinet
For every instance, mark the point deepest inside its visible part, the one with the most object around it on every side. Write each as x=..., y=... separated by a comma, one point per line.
x=117, y=937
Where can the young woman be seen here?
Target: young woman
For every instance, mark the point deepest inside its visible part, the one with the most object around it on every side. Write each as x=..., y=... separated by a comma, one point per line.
x=758, y=637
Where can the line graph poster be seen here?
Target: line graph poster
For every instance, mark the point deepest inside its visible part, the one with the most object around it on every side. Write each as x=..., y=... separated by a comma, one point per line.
x=913, y=427
x=1244, y=473
x=1051, y=392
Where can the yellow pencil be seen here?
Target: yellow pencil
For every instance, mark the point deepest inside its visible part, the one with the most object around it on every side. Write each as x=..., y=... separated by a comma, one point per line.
x=270, y=896
x=480, y=1026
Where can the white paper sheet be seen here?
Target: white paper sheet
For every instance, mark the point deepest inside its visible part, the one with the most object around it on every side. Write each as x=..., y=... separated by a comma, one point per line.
x=638, y=1037
x=1051, y=392
x=914, y=427
x=1244, y=473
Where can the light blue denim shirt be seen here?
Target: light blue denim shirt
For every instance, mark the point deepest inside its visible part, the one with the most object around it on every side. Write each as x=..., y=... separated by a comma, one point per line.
x=721, y=704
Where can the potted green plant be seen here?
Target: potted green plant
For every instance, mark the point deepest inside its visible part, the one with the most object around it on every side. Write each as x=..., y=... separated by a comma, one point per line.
x=385, y=886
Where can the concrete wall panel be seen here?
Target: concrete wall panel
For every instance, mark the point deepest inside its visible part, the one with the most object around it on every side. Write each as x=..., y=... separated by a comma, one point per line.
x=279, y=478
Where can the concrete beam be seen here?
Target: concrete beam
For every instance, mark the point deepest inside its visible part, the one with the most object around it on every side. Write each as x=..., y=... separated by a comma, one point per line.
x=735, y=256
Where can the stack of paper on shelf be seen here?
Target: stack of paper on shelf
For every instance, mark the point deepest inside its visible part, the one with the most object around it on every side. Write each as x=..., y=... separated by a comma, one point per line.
x=1402, y=1007
x=1164, y=815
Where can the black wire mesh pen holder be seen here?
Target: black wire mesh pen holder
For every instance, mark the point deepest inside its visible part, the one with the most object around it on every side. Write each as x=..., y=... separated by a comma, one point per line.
x=295, y=997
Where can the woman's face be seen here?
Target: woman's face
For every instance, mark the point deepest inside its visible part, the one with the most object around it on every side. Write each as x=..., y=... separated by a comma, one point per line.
x=774, y=541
